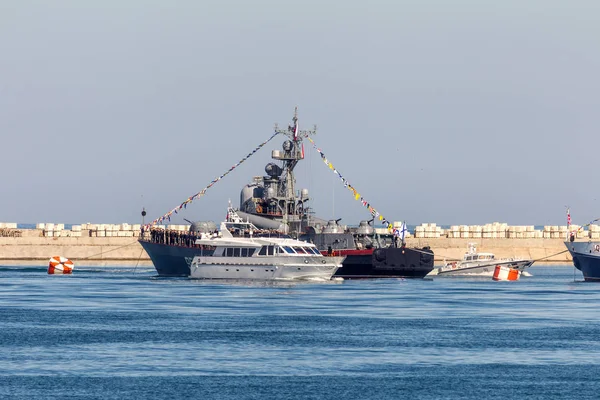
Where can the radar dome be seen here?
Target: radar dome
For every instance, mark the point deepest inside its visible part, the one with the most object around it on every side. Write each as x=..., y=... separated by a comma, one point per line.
x=273, y=170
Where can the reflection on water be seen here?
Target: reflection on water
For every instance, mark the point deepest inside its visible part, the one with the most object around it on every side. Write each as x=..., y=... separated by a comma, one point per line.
x=360, y=338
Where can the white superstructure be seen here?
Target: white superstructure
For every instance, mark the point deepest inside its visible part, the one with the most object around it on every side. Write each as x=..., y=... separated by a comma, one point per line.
x=240, y=251
x=483, y=264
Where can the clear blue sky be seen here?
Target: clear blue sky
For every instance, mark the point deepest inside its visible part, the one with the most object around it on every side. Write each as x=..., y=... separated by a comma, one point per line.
x=455, y=112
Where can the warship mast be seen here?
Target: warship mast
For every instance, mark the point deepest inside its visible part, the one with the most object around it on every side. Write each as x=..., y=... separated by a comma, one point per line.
x=292, y=210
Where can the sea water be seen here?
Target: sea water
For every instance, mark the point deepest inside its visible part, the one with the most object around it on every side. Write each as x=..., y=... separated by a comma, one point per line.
x=124, y=333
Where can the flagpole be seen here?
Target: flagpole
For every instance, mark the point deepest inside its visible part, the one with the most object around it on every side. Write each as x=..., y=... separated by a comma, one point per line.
x=568, y=223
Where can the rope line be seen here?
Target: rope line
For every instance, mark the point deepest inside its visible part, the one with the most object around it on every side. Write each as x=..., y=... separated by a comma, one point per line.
x=138, y=260
x=460, y=259
x=108, y=251
x=374, y=213
x=552, y=255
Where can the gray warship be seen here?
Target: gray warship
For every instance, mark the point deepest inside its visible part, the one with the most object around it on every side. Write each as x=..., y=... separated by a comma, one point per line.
x=271, y=203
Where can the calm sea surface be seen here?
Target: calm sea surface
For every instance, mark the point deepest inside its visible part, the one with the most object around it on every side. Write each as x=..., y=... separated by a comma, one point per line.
x=120, y=333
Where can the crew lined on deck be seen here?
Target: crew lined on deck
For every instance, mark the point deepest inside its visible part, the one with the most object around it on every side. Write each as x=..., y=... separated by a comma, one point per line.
x=188, y=239
x=173, y=237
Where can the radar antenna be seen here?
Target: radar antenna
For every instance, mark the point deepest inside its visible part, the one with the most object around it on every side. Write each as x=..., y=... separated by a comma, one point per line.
x=293, y=154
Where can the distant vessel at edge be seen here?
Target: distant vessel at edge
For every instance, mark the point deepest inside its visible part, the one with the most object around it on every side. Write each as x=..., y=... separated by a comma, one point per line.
x=586, y=258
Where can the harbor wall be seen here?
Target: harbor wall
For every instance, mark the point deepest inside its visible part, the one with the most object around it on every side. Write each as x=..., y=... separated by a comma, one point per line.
x=32, y=248
x=93, y=251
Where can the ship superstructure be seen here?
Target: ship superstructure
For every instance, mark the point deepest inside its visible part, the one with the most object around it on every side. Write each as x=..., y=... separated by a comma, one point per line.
x=273, y=197
x=272, y=202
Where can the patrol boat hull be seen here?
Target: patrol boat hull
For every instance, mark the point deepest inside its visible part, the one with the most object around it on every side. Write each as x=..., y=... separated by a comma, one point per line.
x=482, y=269
x=389, y=262
x=586, y=258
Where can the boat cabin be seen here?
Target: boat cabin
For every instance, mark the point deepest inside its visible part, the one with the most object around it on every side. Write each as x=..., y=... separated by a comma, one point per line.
x=479, y=257
x=473, y=255
x=236, y=238
x=256, y=249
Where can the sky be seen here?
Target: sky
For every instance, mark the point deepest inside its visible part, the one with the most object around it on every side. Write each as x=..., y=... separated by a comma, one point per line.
x=453, y=112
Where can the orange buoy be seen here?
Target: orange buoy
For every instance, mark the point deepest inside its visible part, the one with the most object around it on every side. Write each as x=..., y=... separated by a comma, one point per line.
x=504, y=273
x=60, y=266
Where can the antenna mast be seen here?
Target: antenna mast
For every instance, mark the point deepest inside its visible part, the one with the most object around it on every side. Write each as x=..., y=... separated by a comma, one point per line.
x=293, y=152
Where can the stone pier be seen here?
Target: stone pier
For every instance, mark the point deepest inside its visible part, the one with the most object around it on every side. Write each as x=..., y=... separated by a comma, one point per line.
x=114, y=251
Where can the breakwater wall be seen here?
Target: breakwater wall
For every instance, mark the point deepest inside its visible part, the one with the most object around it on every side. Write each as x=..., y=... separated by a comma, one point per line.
x=499, y=230
x=32, y=248
x=495, y=230
x=93, y=251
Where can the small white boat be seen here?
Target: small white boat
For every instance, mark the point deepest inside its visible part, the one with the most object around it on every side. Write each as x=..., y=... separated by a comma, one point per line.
x=237, y=252
x=481, y=264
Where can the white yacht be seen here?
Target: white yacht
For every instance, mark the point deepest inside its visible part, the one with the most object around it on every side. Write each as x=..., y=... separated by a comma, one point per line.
x=482, y=264
x=241, y=251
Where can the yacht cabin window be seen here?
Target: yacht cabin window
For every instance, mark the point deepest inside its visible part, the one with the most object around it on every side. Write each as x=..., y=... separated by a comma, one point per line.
x=236, y=252
x=267, y=251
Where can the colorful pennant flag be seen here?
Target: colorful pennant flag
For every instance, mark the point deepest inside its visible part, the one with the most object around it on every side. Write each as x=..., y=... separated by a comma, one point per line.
x=201, y=193
x=348, y=186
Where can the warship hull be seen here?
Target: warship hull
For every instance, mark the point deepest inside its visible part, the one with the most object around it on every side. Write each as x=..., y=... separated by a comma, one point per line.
x=586, y=258
x=389, y=262
x=171, y=260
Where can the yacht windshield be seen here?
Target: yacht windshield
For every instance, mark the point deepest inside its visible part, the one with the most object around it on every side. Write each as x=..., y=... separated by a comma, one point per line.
x=288, y=249
x=299, y=250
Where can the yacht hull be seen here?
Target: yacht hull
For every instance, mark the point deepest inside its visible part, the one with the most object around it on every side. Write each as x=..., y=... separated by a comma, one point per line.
x=321, y=268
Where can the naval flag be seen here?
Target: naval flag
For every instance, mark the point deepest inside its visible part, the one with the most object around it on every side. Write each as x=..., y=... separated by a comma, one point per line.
x=403, y=230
